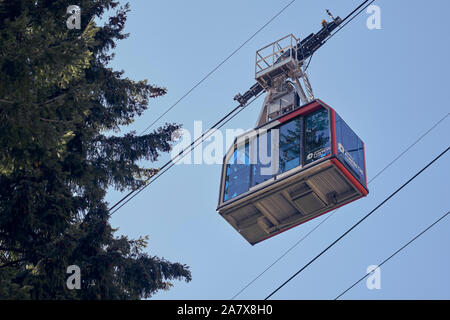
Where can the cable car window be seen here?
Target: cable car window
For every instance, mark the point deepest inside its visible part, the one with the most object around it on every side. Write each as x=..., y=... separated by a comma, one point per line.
x=290, y=138
x=237, y=179
x=350, y=148
x=261, y=169
x=317, y=136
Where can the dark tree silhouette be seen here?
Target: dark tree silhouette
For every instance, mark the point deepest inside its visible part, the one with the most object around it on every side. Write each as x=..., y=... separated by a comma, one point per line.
x=59, y=104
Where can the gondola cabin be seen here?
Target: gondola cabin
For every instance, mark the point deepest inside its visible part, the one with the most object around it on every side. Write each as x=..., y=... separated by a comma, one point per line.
x=293, y=168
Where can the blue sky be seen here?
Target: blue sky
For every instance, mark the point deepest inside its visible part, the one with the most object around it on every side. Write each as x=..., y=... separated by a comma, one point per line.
x=389, y=85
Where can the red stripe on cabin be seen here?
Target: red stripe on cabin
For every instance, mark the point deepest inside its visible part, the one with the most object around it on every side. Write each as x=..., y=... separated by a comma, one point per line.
x=333, y=132
x=349, y=176
x=364, y=157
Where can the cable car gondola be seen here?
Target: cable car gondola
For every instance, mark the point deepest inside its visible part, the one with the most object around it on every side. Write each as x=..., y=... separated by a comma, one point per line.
x=301, y=160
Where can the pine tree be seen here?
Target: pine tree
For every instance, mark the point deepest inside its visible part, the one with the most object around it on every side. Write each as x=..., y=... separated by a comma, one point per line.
x=61, y=110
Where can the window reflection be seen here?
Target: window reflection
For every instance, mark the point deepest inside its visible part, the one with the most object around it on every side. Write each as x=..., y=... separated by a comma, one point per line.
x=290, y=135
x=350, y=148
x=302, y=140
x=237, y=178
x=261, y=169
x=317, y=136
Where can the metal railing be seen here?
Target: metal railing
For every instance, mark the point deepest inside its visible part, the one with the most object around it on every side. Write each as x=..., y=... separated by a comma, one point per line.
x=270, y=55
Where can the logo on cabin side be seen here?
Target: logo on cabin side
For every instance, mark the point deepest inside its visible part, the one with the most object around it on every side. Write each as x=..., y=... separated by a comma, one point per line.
x=318, y=154
x=350, y=159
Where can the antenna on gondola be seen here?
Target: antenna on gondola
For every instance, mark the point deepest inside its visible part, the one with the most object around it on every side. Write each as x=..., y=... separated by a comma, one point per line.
x=330, y=14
